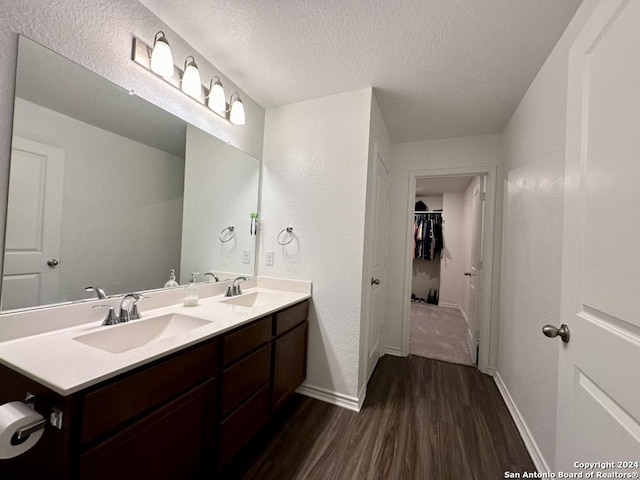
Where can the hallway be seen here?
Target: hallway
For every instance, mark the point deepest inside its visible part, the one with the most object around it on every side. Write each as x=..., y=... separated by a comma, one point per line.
x=422, y=419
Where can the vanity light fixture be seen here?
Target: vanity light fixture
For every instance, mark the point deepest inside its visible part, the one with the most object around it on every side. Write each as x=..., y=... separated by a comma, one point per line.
x=216, y=99
x=191, y=84
x=236, y=113
x=188, y=81
x=161, y=58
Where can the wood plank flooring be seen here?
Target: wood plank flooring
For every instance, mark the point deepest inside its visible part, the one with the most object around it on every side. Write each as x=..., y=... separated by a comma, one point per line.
x=422, y=420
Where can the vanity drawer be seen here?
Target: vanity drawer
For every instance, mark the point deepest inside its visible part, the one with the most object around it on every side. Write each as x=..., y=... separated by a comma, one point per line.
x=243, y=341
x=244, y=378
x=239, y=428
x=292, y=316
x=124, y=399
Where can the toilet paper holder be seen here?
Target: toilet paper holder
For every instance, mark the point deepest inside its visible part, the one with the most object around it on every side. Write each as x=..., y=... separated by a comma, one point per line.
x=55, y=419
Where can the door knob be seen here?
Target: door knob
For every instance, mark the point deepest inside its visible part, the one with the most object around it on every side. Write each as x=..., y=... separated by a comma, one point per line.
x=562, y=332
x=52, y=262
x=375, y=281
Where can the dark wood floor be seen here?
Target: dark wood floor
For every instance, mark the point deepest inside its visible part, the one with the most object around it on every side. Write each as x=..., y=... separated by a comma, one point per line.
x=422, y=420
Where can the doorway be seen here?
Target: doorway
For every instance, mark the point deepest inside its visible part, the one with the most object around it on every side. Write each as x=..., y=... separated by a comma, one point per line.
x=448, y=291
x=447, y=254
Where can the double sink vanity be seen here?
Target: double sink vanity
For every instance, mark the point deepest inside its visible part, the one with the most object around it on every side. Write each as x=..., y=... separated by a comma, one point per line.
x=175, y=394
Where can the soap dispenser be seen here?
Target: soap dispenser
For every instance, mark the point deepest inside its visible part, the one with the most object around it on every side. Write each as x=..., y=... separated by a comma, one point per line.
x=191, y=292
x=172, y=280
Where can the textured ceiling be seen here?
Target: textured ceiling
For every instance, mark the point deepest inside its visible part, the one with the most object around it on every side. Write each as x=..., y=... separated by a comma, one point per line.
x=441, y=68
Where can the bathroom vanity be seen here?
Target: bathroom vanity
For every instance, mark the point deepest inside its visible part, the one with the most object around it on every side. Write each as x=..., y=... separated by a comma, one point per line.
x=182, y=413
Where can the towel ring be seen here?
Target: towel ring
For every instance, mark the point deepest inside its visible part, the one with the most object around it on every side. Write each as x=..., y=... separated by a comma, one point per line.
x=288, y=230
x=232, y=234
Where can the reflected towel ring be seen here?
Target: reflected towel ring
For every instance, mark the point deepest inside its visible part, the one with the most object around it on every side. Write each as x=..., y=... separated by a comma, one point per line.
x=288, y=230
x=232, y=234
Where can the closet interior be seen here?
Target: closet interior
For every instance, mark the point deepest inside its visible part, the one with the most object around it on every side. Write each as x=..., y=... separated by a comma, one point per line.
x=444, y=258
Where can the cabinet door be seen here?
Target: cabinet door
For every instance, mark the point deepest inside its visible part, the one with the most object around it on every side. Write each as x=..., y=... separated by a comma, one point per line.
x=290, y=364
x=171, y=443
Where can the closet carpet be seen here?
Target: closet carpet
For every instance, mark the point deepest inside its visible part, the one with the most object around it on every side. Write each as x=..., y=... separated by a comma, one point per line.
x=422, y=420
x=439, y=333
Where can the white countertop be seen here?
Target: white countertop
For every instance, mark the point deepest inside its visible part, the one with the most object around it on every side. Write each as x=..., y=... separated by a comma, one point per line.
x=66, y=365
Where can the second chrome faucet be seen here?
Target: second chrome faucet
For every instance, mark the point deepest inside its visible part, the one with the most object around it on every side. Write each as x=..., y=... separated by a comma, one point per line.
x=126, y=312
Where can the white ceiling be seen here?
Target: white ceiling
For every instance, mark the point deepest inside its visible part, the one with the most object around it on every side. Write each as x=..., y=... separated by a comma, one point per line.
x=438, y=185
x=441, y=68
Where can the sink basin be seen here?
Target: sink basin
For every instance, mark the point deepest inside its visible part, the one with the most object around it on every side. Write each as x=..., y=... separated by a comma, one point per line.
x=255, y=299
x=136, y=333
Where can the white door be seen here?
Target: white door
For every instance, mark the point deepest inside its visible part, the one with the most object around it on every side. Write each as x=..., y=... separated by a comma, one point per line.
x=34, y=213
x=376, y=307
x=599, y=376
x=475, y=273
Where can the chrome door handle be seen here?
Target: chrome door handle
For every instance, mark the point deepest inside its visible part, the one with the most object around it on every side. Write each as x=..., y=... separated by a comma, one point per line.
x=375, y=281
x=562, y=332
x=52, y=262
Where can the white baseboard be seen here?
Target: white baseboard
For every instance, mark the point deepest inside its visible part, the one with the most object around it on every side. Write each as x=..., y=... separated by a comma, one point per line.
x=396, y=352
x=448, y=305
x=525, y=433
x=334, y=398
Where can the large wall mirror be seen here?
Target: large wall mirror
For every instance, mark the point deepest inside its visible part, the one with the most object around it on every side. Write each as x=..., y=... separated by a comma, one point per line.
x=107, y=189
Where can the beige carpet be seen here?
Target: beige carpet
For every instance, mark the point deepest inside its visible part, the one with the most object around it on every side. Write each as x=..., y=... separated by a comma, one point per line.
x=439, y=333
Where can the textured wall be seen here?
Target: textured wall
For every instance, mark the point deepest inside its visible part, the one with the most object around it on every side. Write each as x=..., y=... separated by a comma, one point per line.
x=314, y=179
x=98, y=34
x=479, y=151
x=534, y=144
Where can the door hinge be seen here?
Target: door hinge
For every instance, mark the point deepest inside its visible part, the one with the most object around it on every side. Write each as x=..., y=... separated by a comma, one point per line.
x=479, y=265
x=483, y=196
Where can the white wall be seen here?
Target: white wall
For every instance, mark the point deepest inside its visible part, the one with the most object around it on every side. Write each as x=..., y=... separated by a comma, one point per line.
x=98, y=34
x=220, y=190
x=451, y=266
x=477, y=151
x=315, y=165
x=133, y=215
x=433, y=202
x=534, y=148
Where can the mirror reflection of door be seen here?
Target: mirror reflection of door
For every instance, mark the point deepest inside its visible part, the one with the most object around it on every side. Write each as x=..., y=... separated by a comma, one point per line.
x=34, y=214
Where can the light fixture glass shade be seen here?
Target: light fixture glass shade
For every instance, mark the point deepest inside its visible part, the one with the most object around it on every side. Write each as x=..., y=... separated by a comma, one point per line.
x=236, y=115
x=191, y=84
x=217, y=101
x=161, y=58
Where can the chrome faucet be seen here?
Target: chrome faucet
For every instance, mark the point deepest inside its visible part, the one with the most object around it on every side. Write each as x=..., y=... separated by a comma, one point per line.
x=234, y=288
x=111, y=318
x=213, y=275
x=100, y=292
x=133, y=313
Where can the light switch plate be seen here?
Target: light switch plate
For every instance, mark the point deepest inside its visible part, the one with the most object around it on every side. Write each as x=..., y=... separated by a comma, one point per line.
x=268, y=258
x=246, y=256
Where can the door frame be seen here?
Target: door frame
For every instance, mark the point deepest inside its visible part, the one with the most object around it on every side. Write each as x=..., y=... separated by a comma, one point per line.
x=488, y=302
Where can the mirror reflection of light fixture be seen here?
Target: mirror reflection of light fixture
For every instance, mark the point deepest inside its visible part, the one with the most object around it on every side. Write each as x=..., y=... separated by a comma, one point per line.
x=236, y=113
x=216, y=99
x=191, y=84
x=161, y=58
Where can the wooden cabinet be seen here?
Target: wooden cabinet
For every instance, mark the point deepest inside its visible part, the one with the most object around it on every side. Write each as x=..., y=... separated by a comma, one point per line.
x=170, y=443
x=183, y=416
x=290, y=363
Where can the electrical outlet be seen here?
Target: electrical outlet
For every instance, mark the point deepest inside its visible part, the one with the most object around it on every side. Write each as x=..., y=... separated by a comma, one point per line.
x=269, y=258
x=246, y=256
